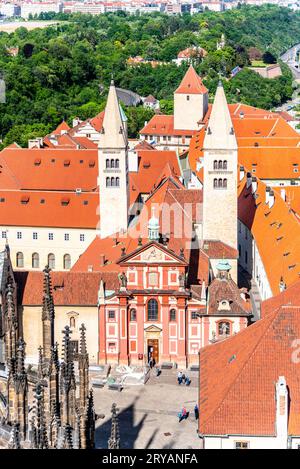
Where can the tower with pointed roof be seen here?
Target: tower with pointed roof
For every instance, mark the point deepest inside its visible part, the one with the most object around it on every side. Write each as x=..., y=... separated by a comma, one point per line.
x=220, y=175
x=190, y=101
x=113, y=179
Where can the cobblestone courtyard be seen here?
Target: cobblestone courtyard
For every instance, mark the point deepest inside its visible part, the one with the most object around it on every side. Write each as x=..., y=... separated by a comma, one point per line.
x=148, y=413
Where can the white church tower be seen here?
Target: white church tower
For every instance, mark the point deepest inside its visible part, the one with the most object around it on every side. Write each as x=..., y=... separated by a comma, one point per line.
x=113, y=168
x=190, y=101
x=220, y=175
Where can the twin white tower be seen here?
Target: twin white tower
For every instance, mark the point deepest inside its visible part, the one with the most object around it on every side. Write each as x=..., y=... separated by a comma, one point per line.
x=220, y=161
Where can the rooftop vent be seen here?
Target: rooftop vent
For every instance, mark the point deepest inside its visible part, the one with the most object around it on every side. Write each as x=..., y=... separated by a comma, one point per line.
x=147, y=164
x=24, y=199
x=67, y=162
x=65, y=201
x=37, y=161
x=91, y=163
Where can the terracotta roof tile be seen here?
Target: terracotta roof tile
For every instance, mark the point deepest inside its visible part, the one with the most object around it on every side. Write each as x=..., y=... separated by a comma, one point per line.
x=237, y=377
x=276, y=231
x=191, y=83
x=69, y=288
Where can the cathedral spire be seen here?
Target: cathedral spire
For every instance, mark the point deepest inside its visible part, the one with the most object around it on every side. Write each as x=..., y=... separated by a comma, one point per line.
x=114, y=440
x=113, y=132
x=47, y=314
x=38, y=423
x=220, y=132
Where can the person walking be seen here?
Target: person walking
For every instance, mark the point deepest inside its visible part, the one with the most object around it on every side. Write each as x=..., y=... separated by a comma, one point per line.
x=182, y=414
x=187, y=381
x=179, y=377
x=196, y=412
x=151, y=364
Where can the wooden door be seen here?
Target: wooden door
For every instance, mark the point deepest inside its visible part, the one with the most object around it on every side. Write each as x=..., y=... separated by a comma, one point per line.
x=153, y=349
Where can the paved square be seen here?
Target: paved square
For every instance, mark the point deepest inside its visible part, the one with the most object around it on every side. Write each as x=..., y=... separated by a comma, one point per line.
x=148, y=413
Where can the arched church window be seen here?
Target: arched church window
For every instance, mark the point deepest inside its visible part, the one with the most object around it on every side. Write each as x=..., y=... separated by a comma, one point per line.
x=107, y=163
x=220, y=164
x=72, y=321
x=112, y=163
x=112, y=182
x=224, y=328
x=215, y=164
x=35, y=260
x=215, y=183
x=224, y=164
x=117, y=164
x=51, y=261
x=152, y=310
x=107, y=182
x=67, y=261
x=173, y=314
x=224, y=183
x=133, y=314
x=118, y=182
x=20, y=259
x=220, y=184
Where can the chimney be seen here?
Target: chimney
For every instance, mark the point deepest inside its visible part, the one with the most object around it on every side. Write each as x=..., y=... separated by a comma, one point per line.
x=254, y=185
x=282, y=410
x=267, y=194
x=271, y=198
x=283, y=194
x=242, y=172
x=249, y=180
x=102, y=260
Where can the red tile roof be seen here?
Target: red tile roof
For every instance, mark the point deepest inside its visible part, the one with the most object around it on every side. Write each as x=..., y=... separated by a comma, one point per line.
x=289, y=297
x=191, y=83
x=219, y=250
x=237, y=377
x=276, y=231
x=161, y=124
x=44, y=169
x=69, y=288
x=49, y=209
x=176, y=221
x=226, y=289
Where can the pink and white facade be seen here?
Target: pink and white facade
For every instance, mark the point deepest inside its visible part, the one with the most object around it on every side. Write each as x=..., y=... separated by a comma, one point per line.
x=155, y=314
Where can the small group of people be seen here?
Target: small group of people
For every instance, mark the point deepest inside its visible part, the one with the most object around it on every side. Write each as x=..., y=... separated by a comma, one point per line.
x=183, y=414
x=182, y=378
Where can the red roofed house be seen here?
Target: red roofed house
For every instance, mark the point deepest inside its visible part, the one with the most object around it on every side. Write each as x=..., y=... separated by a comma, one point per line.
x=190, y=107
x=249, y=389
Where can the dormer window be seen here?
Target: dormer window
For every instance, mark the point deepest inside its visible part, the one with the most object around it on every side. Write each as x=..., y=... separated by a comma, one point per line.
x=224, y=328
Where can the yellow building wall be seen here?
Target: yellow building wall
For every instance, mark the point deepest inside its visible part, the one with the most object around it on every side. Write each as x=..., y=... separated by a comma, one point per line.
x=33, y=332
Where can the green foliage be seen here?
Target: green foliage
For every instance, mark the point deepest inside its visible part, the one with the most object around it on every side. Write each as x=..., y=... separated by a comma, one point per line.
x=64, y=70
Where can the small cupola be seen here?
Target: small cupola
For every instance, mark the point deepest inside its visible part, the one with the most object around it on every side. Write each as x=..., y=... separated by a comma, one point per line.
x=223, y=268
x=153, y=227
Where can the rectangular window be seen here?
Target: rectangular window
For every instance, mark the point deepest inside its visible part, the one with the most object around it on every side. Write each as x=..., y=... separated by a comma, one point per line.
x=19, y=234
x=81, y=237
x=50, y=236
x=4, y=234
x=34, y=235
x=111, y=314
x=246, y=257
x=194, y=315
x=241, y=444
x=67, y=237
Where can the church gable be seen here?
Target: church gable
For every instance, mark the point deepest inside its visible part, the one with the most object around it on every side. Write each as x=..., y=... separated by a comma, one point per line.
x=153, y=254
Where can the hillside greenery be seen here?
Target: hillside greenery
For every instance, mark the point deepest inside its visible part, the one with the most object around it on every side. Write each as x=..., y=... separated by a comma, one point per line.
x=63, y=71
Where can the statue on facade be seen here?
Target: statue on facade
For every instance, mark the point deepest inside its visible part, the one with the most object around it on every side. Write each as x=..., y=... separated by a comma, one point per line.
x=122, y=280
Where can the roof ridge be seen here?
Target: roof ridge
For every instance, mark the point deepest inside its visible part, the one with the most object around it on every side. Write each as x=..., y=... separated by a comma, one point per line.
x=247, y=360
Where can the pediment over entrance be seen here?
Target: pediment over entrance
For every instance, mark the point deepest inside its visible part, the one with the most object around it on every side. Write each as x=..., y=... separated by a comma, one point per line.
x=153, y=328
x=153, y=252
